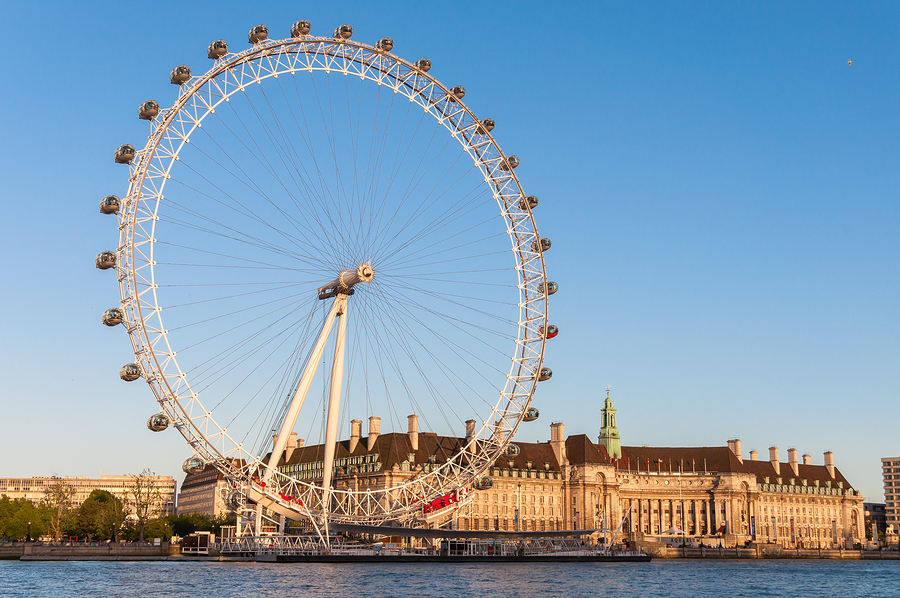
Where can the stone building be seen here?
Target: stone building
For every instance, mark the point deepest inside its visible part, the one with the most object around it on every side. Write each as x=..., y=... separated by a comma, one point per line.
x=673, y=494
x=34, y=488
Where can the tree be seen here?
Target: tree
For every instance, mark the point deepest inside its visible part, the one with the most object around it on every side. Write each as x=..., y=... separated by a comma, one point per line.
x=58, y=500
x=144, y=498
x=20, y=518
x=100, y=516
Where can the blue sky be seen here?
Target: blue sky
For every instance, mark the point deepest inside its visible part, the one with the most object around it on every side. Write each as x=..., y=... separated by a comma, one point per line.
x=721, y=189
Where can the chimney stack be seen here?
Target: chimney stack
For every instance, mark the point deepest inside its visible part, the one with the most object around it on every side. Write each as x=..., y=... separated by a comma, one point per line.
x=291, y=445
x=754, y=455
x=735, y=446
x=792, y=459
x=374, y=431
x=470, y=435
x=829, y=463
x=413, y=431
x=355, y=433
x=300, y=442
x=773, y=459
x=558, y=442
x=807, y=460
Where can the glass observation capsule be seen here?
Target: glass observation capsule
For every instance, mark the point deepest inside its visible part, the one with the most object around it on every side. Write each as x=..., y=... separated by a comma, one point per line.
x=531, y=414
x=546, y=374
x=125, y=154
x=217, y=49
x=552, y=331
x=385, y=44
x=130, y=372
x=180, y=74
x=484, y=483
x=113, y=317
x=423, y=64
x=260, y=33
x=234, y=498
x=512, y=450
x=486, y=126
x=343, y=32
x=457, y=93
x=528, y=203
x=549, y=287
x=148, y=110
x=301, y=27
x=511, y=163
x=105, y=260
x=193, y=465
x=110, y=204
x=542, y=245
x=158, y=422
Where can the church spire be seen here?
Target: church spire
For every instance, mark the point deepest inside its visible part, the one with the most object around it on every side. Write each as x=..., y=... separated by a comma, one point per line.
x=609, y=433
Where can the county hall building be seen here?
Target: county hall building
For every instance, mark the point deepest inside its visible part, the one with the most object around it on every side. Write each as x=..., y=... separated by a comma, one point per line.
x=708, y=495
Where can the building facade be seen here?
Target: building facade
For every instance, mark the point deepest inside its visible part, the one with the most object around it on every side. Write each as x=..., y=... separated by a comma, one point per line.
x=204, y=493
x=707, y=495
x=890, y=471
x=34, y=488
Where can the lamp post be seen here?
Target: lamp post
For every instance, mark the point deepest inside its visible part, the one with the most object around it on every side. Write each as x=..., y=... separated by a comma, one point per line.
x=28, y=534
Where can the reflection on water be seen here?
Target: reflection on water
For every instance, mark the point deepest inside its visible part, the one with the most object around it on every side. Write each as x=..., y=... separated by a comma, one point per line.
x=663, y=578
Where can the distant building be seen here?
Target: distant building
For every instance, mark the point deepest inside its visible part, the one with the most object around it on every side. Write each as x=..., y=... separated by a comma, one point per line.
x=34, y=488
x=695, y=494
x=203, y=492
x=890, y=471
x=875, y=515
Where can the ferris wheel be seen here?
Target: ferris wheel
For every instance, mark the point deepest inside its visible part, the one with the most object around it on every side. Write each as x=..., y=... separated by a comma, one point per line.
x=318, y=230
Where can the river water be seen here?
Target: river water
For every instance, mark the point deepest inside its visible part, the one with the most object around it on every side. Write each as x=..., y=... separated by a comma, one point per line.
x=668, y=578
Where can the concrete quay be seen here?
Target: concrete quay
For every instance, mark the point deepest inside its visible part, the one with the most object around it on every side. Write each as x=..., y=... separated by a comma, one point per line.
x=661, y=551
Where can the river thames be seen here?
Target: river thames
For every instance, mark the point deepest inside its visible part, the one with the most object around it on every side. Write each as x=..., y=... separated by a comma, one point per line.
x=670, y=578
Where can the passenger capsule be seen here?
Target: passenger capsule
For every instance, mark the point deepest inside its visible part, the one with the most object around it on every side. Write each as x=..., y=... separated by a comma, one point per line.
x=260, y=33
x=180, y=74
x=105, y=260
x=130, y=372
x=546, y=374
x=486, y=126
x=193, y=465
x=148, y=110
x=217, y=49
x=343, y=32
x=423, y=65
x=531, y=414
x=541, y=246
x=549, y=288
x=113, y=317
x=510, y=163
x=552, y=331
x=512, y=450
x=457, y=93
x=125, y=154
x=234, y=498
x=484, y=483
x=385, y=44
x=158, y=422
x=110, y=204
x=300, y=28
x=528, y=203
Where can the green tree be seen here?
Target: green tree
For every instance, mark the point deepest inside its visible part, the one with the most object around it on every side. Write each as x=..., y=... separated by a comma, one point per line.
x=100, y=516
x=144, y=499
x=20, y=517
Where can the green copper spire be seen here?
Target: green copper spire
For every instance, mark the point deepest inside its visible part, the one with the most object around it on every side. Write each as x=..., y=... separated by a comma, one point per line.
x=609, y=433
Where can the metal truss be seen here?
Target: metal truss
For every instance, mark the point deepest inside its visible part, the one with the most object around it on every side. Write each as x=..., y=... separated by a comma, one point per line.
x=172, y=129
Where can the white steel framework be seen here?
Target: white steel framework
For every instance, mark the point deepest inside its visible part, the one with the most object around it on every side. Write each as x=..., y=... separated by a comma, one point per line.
x=154, y=165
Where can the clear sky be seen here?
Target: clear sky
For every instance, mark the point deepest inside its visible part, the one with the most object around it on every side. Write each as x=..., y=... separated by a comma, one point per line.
x=720, y=186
